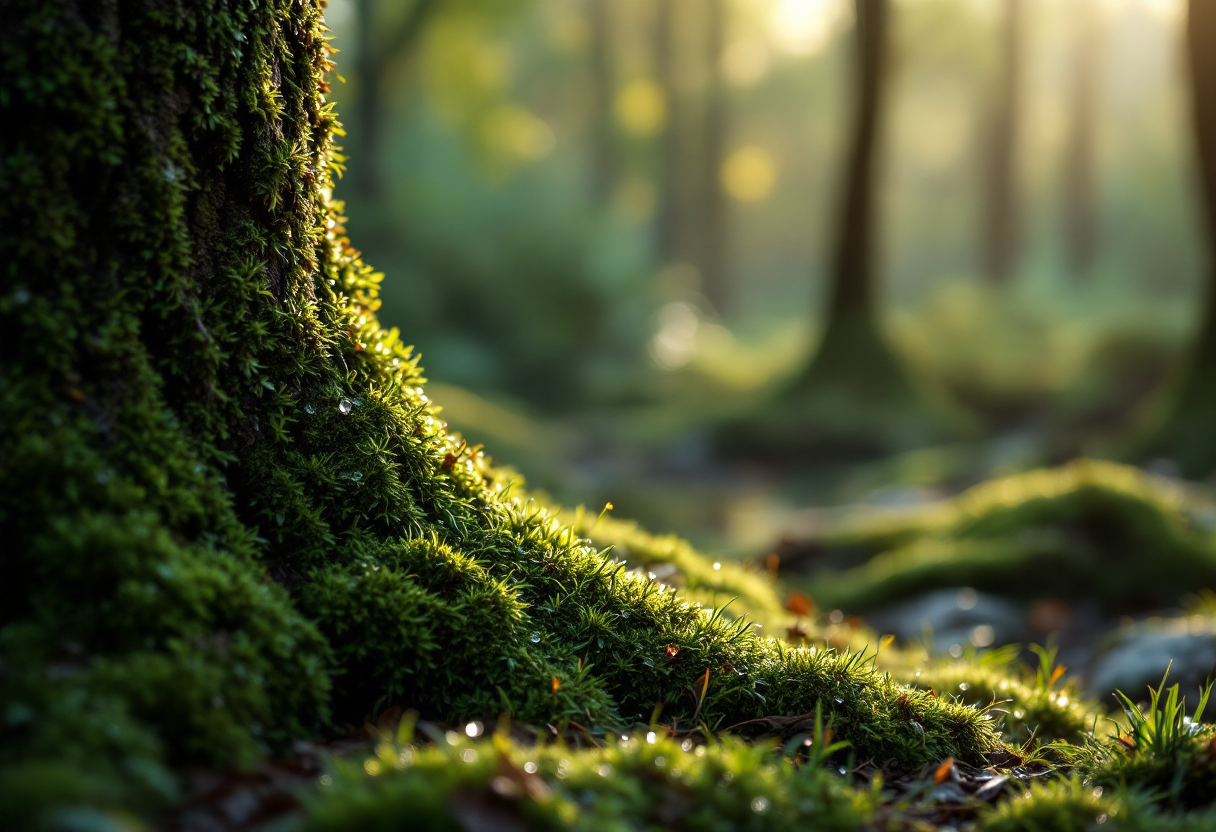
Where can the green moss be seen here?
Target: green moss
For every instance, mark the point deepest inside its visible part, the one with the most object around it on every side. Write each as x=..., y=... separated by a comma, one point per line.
x=230, y=513
x=1090, y=528
x=646, y=781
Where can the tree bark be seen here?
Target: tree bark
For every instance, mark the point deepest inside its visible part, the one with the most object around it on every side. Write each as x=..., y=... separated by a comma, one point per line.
x=377, y=50
x=853, y=267
x=713, y=230
x=1001, y=220
x=1080, y=221
x=666, y=65
x=1186, y=433
x=603, y=87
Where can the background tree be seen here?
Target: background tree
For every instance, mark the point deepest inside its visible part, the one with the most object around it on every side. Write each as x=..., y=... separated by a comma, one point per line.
x=1079, y=210
x=379, y=47
x=1186, y=434
x=855, y=398
x=1000, y=231
x=604, y=162
x=712, y=221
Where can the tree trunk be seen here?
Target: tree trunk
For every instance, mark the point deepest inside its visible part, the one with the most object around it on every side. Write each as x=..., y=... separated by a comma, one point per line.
x=713, y=231
x=226, y=504
x=365, y=152
x=852, y=271
x=603, y=86
x=1186, y=434
x=376, y=51
x=1079, y=209
x=1001, y=221
x=855, y=398
x=666, y=65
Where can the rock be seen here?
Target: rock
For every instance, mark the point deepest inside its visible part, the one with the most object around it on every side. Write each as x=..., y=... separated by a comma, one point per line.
x=1138, y=655
x=953, y=618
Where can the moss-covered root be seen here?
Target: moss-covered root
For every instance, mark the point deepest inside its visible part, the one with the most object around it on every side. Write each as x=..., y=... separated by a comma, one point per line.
x=643, y=782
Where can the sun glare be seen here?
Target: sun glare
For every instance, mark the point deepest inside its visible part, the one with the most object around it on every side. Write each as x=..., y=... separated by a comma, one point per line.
x=803, y=27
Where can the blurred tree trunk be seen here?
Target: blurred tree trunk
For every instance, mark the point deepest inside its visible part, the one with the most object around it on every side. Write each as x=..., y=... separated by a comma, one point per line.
x=855, y=399
x=376, y=50
x=1001, y=225
x=603, y=133
x=852, y=276
x=713, y=225
x=1079, y=210
x=1187, y=435
x=667, y=221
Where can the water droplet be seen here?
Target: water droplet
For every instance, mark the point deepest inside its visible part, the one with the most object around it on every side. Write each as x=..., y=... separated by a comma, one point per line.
x=356, y=476
x=842, y=770
x=760, y=805
x=625, y=613
x=344, y=405
x=536, y=637
x=278, y=518
x=309, y=409
x=717, y=566
x=963, y=686
x=468, y=755
x=531, y=767
x=839, y=700
x=474, y=729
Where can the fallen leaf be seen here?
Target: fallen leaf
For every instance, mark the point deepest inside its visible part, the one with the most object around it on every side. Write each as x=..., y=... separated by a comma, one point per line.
x=943, y=771
x=799, y=604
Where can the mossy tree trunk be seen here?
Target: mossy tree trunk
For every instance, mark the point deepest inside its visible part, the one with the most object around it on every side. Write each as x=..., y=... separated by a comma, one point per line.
x=229, y=511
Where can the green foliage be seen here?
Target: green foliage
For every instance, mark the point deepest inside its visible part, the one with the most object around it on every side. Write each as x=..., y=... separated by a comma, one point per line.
x=1164, y=751
x=645, y=781
x=1098, y=528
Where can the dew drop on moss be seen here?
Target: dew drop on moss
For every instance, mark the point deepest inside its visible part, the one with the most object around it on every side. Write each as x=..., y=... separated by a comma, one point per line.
x=309, y=409
x=356, y=476
x=344, y=406
x=536, y=638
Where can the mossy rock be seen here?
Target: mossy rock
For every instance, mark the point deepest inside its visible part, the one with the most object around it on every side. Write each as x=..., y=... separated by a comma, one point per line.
x=231, y=516
x=1087, y=530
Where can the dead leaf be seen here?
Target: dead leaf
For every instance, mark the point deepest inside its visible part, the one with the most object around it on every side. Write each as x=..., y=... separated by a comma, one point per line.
x=799, y=604
x=943, y=771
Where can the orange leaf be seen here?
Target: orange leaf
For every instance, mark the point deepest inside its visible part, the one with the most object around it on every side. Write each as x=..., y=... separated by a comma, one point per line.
x=672, y=651
x=799, y=604
x=943, y=771
x=705, y=684
x=827, y=735
x=557, y=683
x=1056, y=674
